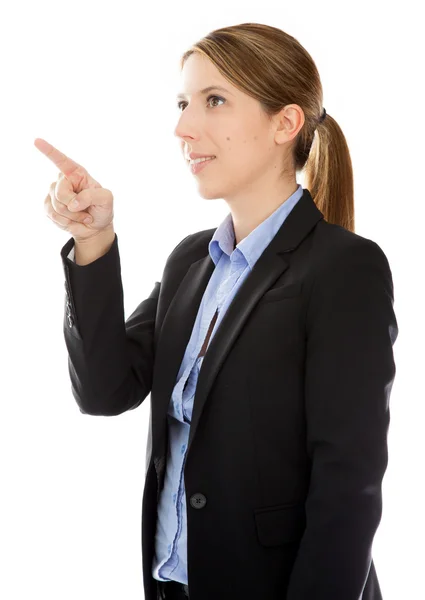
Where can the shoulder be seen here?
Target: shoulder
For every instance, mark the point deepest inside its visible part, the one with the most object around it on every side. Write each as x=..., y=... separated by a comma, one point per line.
x=194, y=245
x=333, y=250
x=334, y=247
x=348, y=269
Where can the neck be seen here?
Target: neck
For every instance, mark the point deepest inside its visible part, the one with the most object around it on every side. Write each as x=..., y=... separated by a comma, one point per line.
x=247, y=217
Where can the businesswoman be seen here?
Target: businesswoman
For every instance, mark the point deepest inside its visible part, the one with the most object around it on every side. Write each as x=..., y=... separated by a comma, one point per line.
x=266, y=348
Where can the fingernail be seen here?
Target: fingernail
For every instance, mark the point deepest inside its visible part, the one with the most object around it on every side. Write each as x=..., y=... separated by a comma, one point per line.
x=87, y=220
x=74, y=203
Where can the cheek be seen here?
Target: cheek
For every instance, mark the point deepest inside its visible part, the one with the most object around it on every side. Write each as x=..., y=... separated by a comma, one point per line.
x=240, y=146
x=246, y=156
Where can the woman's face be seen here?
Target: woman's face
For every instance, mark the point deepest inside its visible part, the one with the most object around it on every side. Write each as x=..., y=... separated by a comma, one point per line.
x=231, y=126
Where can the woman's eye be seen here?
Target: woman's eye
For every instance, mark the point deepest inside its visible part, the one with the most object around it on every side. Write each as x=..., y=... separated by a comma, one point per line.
x=179, y=104
x=216, y=97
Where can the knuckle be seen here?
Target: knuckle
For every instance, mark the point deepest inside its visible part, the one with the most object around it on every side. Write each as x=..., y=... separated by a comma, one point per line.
x=62, y=193
x=58, y=205
x=70, y=203
x=53, y=203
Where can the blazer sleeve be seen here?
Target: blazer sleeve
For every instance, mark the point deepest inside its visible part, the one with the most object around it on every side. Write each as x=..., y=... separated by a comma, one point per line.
x=349, y=372
x=110, y=360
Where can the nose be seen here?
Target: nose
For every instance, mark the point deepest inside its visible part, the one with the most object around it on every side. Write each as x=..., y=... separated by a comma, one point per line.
x=186, y=128
x=185, y=141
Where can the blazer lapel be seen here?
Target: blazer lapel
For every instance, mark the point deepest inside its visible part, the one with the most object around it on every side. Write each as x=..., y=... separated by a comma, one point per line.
x=180, y=318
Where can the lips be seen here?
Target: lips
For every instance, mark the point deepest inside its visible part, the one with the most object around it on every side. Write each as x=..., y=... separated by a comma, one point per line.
x=193, y=155
x=204, y=159
x=196, y=167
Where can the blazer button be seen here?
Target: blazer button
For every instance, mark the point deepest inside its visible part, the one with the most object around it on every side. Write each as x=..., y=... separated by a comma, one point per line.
x=198, y=500
x=70, y=321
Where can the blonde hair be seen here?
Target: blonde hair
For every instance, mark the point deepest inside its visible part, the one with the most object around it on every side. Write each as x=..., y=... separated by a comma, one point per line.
x=271, y=66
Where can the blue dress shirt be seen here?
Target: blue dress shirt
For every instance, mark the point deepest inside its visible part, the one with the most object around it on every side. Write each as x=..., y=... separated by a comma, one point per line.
x=232, y=266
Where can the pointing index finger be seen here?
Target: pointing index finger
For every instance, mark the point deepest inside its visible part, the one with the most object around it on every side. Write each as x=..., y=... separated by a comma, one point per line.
x=65, y=164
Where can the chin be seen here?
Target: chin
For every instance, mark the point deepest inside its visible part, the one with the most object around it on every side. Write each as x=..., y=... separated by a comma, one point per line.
x=209, y=193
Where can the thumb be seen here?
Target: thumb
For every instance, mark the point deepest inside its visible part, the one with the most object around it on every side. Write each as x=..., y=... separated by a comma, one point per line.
x=98, y=198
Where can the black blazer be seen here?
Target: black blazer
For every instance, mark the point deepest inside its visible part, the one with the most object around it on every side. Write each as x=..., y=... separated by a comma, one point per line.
x=288, y=439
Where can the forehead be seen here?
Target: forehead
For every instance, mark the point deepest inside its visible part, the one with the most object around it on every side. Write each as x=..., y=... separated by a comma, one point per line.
x=204, y=91
x=199, y=76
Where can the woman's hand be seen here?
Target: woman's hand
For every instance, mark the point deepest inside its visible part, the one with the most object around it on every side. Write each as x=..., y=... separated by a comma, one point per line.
x=74, y=183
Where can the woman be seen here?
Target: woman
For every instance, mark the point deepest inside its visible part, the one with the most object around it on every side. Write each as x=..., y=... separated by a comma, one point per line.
x=264, y=467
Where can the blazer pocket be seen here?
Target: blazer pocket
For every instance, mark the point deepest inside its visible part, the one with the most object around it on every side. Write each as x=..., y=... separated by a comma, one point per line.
x=284, y=291
x=280, y=524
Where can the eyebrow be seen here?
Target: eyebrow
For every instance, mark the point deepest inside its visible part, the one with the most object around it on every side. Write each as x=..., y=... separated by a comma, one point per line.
x=206, y=90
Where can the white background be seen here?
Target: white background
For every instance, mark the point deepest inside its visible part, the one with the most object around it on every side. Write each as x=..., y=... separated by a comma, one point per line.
x=98, y=81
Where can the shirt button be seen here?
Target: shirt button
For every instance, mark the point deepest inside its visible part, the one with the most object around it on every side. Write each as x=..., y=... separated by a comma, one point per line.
x=198, y=500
